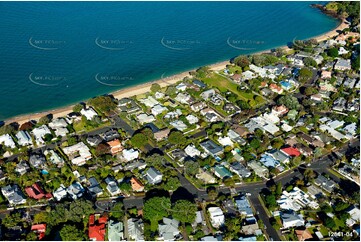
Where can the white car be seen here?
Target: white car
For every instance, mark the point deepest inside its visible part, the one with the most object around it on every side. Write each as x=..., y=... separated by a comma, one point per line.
x=248, y=194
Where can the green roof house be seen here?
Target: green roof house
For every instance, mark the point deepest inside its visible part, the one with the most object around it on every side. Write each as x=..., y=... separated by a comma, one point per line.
x=115, y=231
x=292, y=114
x=222, y=172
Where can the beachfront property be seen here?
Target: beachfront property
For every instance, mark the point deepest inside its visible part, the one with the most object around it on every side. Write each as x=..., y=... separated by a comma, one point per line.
x=7, y=140
x=89, y=113
x=39, y=133
x=23, y=138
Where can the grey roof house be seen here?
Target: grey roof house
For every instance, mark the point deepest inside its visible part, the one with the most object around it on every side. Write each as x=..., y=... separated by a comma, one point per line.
x=168, y=229
x=153, y=176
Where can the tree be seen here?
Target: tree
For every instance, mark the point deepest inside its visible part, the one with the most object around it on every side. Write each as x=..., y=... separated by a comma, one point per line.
x=11, y=219
x=155, y=209
x=355, y=63
x=255, y=143
x=289, y=101
x=242, y=61
x=138, y=140
x=32, y=236
x=117, y=211
x=191, y=167
x=309, y=61
x=309, y=174
x=329, y=222
x=26, y=126
x=171, y=91
x=305, y=74
x=229, y=182
x=271, y=201
x=71, y=233
x=125, y=186
x=279, y=189
x=333, y=52
x=41, y=217
x=172, y=184
x=80, y=209
x=243, y=105
x=184, y=211
x=78, y=107
x=177, y=138
x=102, y=149
x=212, y=193
x=45, y=119
x=155, y=88
x=103, y=103
x=310, y=91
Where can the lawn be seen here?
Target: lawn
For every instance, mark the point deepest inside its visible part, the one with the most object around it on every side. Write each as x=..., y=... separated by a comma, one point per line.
x=224, y=85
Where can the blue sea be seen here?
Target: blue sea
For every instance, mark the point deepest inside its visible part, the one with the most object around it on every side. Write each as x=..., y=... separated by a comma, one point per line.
x=58, y=53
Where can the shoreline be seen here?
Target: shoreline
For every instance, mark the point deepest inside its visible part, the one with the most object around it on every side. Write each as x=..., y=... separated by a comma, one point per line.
x=166, y=81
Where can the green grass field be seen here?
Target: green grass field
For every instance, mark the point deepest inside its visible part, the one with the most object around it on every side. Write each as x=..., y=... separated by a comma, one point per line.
x=224, y=85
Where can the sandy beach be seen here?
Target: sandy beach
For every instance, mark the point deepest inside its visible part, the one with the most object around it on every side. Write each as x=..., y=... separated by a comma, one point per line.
x=143, y=88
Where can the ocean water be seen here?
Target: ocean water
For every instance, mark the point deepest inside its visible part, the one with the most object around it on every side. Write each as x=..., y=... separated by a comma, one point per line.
x=57, y=53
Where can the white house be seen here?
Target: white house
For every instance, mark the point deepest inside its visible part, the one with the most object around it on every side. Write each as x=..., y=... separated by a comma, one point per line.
x=192, y=151
x=78, y=153
x=145, y=118
x=192, y=119
x=40, y=132
x=89, y=113
x=7, y=140
x=154, y=176
x=216, y=216
x=24, y=138
x=158, y=109
x=290, y=220
x=225, y=141
x=59, y=125
x=130, y=154
x=168, y=229
x=60, y=193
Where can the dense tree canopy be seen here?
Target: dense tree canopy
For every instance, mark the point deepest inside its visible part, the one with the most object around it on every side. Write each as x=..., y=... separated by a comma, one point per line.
x=102, y=103
x=71, y=233
x=177, y=138
x=184, y=211
x=138, y=140
x=155, y=87
x=289, y=101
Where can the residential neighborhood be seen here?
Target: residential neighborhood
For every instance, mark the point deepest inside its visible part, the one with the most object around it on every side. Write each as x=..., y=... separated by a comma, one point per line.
x=265, y=149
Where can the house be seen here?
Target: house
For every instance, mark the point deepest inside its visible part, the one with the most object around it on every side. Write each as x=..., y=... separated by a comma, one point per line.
x=128, y=105
x=292, y=114
x=206, y=177
x=13, y=194
x=249, y=226
x=179, y=124
x=196, y=107
x=168, y=229
x=110, y=135
x=96, y=229
x=75, y=190
x=303, y=234
x=137, y=186
x=291, y=219
x=192, y=151
x=54, y=158
x=149, y=101
x=217, y=217
x=184, y=98
x=89, y=113
x=59, y=125
x=291, y=151
x=240, y=170
x=295, y=200
x=159, y=95
x=37, y=160
x=222, y=172
x=275, y=88
x=94, y=187
x=181, y=87
x=324, y=183
x=240, y=130
x=173, y=115
x=178, y=154
x=279, y=110
x=112, y=186
x=22, y=167
x=24, y=138
x=145, y=118
x=354, y=213
x=135, y=229
x=39, y=133
x=199, y=219
x=243, y=206
x=316, y=97
x=94, y=140
x=258, y=169
x=162, y=134
x=137, y=164
x=287, y=85
x=153, y=176
x=268, y=161
x=192, y=119
x=60, y=193
x=39, y=229
x=78, y=153
x=115, y=231
x=115, y=146
x=158, y=109
x=326, y=74
x=342, y=64
x=199, y=83
x=35, y=191
x=206, y=95
x=130, y=154
x=225, y=141
x=280, y=156
x=211, y=148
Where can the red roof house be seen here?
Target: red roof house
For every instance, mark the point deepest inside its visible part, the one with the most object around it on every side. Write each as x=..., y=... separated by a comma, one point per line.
x=39, y=229
x=115, y=146
x=97, y=228
x=290, y=151
x=36, y=192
